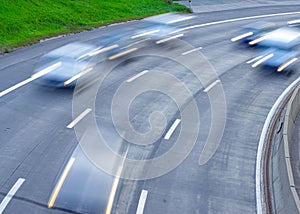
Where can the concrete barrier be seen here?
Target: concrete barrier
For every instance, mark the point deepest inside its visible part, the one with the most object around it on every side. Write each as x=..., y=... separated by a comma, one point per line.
x=292, y=112
x=279, y=194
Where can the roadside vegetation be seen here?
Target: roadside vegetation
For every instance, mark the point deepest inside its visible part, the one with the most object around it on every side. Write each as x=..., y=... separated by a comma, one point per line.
x=24, y=22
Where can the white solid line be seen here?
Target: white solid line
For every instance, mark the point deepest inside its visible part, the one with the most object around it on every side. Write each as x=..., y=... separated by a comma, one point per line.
x=191, y=51
x=20, y=84
x=33, y=77
x=10, y=194
x=142, y=202
x=80, y=117
x=172, y=129
x=234, y=20
x=211, y=85
x=137, y=76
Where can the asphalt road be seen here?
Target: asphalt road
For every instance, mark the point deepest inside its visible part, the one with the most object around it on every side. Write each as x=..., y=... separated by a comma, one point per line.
x=36, y=145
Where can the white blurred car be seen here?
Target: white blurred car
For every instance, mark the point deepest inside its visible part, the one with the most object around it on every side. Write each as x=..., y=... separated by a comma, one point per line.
x=281, y=49
x=162, y=28
x=63, y=66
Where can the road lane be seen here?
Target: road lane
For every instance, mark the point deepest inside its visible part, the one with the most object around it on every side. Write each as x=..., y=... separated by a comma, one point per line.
x=35, y=143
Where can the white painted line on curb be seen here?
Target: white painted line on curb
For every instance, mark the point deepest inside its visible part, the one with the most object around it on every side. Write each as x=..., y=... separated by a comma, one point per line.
x=191, y=51
x=142, y=202
x=137, y=76
x=11, y=194
x=211, y=85
x=80, y=117
x=172, y=129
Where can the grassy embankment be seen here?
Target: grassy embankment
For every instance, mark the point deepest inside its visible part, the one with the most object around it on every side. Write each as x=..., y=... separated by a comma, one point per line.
x=25, y=22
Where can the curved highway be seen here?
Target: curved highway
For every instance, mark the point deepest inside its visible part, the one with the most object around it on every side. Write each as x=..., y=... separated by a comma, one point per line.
x=36, y=144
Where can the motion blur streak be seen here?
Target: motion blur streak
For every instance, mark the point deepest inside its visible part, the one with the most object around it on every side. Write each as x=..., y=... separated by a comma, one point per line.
x=169, y=38
x=258, y=40
x=181, y=19
x=115, y=185
x=113, y=191
x=46, y=70
x=60, y=183
x=144, y=34
x=137, y=42
x=33, y=77
x=102, y=50
x=293, y=22
x=241, y=36
x=77, y=76
x=254, y=59
x=262, y=60
x=283, y=66
x=122, y=53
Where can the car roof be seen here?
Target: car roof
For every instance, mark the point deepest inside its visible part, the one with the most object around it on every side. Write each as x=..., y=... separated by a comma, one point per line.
x=74, y=50
x=282, y=38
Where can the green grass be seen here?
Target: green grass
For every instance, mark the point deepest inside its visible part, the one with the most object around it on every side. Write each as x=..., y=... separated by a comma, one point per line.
x=25, y=22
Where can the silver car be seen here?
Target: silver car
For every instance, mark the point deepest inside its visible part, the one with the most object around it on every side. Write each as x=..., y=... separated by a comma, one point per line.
x=63, y=66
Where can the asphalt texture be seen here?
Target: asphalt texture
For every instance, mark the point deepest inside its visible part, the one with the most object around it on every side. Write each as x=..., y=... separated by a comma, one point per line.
x=36, y=145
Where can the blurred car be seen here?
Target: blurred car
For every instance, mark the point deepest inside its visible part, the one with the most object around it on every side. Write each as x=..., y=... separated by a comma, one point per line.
x=63, y=66
x=156, y=29
x=281, y=49
x=294, y=23
x=253, y=31
x=118, y=45
x=161, y=28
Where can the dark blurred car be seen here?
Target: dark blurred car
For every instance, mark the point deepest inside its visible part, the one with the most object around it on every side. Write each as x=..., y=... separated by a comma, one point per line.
x=281, y=49
x=72, y=61
x=253, y=31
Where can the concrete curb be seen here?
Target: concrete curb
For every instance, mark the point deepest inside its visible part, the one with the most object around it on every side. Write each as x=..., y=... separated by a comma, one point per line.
x=261, y=200
x=290, y=118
